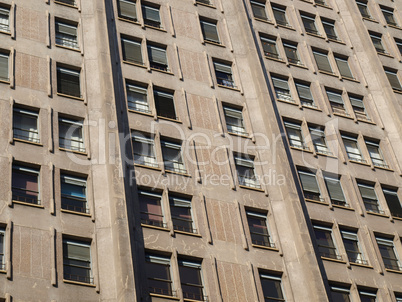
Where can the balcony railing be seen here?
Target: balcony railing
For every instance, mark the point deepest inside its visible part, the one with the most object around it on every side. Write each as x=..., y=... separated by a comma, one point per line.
x=20, y=194
x=251, y=182
x=26, y=135
x=159, y=66
x=70, y=203
x=79, y=278
x=162, y=291
x=66, y=41
x=156, y=223
x=71, y=144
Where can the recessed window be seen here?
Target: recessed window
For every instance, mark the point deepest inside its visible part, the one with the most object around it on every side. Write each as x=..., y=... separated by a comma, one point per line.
x=271, y=286
x=25, y=184
x=234, y=120
x=329, y=27
x=4, y=68
x=319, y=141
x=209, y=31
x=157, y=57
x=74, y=193
x=164, y=103
x=325, y=242
x=343, y=67
x=144, y=150
x=340, y=293
x=373, y=147
x=259, y=10
x=257, y=224
x=246, y=171
x=159, y=275
x=376, y=39
x=280, y=15
x=207, y=2
x=25, y=125
x=363, y=8
x=68, y=81
x=399, y=45
x=305, y=96
x=282, y=90
x=352, y=247
x=172, y=156
x=151, y=210
x=5, y=19
x=66, y=34
x=370, y=198
x=336, y=102
x=335, y=190
x=132, y=51
x=389, y=15
x=388, y=253
x=291, y=53
x=352, y=148
x=71, y=135
x=398, y=297
x=137, y=98
x=151, y=15
x=367, y=295
x=191, y=279
x=224, y=75
x=309, y=24
x=269, y=47
x=181, y=212
x=127, y=10
x=358, y=107
x=68, y=2
x=77, y=261
x=393, y=79
x=311, y=191
x=295, y=135
x=2, y=249
x=322, y=61
x=393, y=202
x=321, y=2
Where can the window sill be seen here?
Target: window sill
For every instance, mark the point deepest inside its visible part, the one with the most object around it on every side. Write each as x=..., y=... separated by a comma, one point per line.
x=75, y=213
x=343, y=207
x=288, y=102
x=377, y=214
x=300, y=149
x=178, y=173
x=383, y=168
x=162, y=71
x=336, y=41
x=164, y=296
x=343, y=115
x=204, y=4
x=251, y=188
x=78, y=283
x=393, y=271
x=323, y=5
x=65, y=4
x=370, y=19
x=3, y=272
x=316, y=201
x=393, y=26
x=366, y=121
x=147, y=167
x=239, y=135
x=312, y=108
x=70, y=96
x=5, y=82
x=328, y=73
x=134, y=64
x=397, y=218
x=385, y=54
x=191, y=300
x=156, y=28
x=128, y=20
x=265, y=247
x=214, y=43
x=315, y=35
x=394, y=90
x=69, y=48
x=361, y=265
x=5, y=32
x=28, y=204
x=275, y=59
x=332, y=260
x=350, y=79
x=154, y=227
x=285, y=26
x=72, y=151
x=326, y=155
x=359, y=163
x=27, y=142
x=140, y=112
x=298, y=65
x=188, y=233
x=227, y=87
x=263, y=20
x=169, y=119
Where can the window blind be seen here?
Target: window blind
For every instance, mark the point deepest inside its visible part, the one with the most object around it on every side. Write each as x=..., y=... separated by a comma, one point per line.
x=151, y=13
x=132, y=51
x=128, y=9
x=322, y=62
x=225, y=68
x=3, y=67
x=304, y=91
x=157, y=55
x=309, y=182
x=209, y=31
x=335, y=189
x=344, y=68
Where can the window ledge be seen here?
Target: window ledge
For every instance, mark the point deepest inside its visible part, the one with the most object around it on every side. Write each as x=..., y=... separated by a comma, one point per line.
x=70, y=96
x=326, y=154
x=155, y=227
x=343, y=115
x=140, y=112
x=337, y=41
x=162, y=71
x=76, y=213
x=147, y=167
x=397, y=218
x=370, y=19
x=393, y=26
x=134, y=64
x=350, y=79
x=5, y=82
x=251, y=188
x=300, y=149
x=69, y=48
x=265, y=247
x=128, y=20
x=359, y=163
x=285, y=26
x=227, y=87
x=3, y=272
x=156, y=28
x=29, y=204
x=383, y=168
x=188, y=233
x=27, y=142
x=275, y=59
x=214, y=43
x=5, y=32
x=263, y=20
x=323, y=5
x=361, y=265
x=377, y=214
x=78, y=283
x=178, y=173
x=287, y=102
x=343, y=207
x=239, y=135
x=316, y=201
x=169, y=119
x=332, y=260
x=366, y=121
x=204, y=4
x=314, y=35
x=72, y=151
x=298, y=65
x=164, y=296
x=385, y=54
x=65, y=4
x=328, y=73
x=312, y=108
x=393, y=271
x=397, y=91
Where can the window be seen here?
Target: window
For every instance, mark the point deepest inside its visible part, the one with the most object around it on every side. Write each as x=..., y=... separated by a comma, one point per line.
x=399, y=45
x=5, y=19
x=367, y=295
x=209, y=31
x=329, y=28
x=280, y=15
x=319, y=140
x=2, y=249
x=191, y=279
x=311, y=191
x=269, y=47
x=151, y=15
x=398, y=297
x=325, y=242
x=305, y=96
x=164, y=103
x=132, y=51
x=321, y=2
x=358, y=107
x=352, y=247
x=295, y=135
x=340, y=293
x=257, y=224
x=71, y=135
x=336, y=102
x=66, y=34
x=74, y=194
x=343, y=67
x=388, y=253
x=4, y=67
x=68, y=2
x=376, y=39
x=25, y=184
x=151, y=210
x=282, y=90
x=335, y=190
x=291, y=53
x=159, y=274
x=259, y=11
x=234, y=120
x=375, y=153
x=182, y=218
x=309, y=24
x=157, y=57
x=137, y=98
x=389, y=15
x=207, y=2
x=127, y=10
x=392, y=76
x=271, y=287
x=352, y=148
x=394, y=204
x=246, y=171
x=25, y=125
x=172, y=157
x=144, y=150
x=68, y=82
x=322, y=61
x=363, y=8
x=77, y=261
x=369, y=197
x=223, y=73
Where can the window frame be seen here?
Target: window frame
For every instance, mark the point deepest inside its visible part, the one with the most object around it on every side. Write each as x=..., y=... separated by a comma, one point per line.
x=363, y=6
x=263, y=218
x=133, y=104
x=375, y=161
x=340, y=289
x=392, y=191
x=129, y=57
x=323, y=54
x=353, y=236
x=81, y=142
x=292, y=46
x=271, y=43
x=161, y=260
x=6, y=57
x=336, y=201
x=142, y=138
x=357, y=102
x=194, y=264
x=301, y=142
x=181, y=167
x=391, y=12
x=147, y=222
x=151, y=22
x=282, y=93
x=320, y=131
x=303, y=100
x=389, y=243
x=305, y=17
x=368, y=200
x=19, y=111
x=70, y=43
x=158, y=64
x=309, y=194
x=211, y=24
x=334, y=248
x=131, y=18
x=81, y=243
x=225, y=69
x=326, y=23
x=182, y=202
x=3, y=251
x=275, y=277
x=345, y=63
x=5, y=27
x=281, y=10
x=71, y=71
x=260, y=4
x=161, y=97
x=358, y=157
x=396, y=80
x=246, y=162
x=23, y=169
x=227, y=110
x=79, y=181
x=378, y=38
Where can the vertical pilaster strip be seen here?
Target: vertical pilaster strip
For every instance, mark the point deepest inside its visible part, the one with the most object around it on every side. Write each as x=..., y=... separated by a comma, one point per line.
x=81, y=36
x=218, y=113
x=48, y=39
x=50, y=128
x=176, y=274
x=101, y=128
x=172, y=30
x=49, y=74
x=211, y=83
x=8, y=297
x=323, y=96
x=90, y=197
x=199, y=27
x=274, y=228
x=229, y=40
x=166, y=207
x=9, y=241
x=356, y=195
x=176, y=52
x=238, y=77
x=158, y=149
x=220, y=5
x=52, y=206
x=253, y=281
x=12, y=20
x=246, y=114
x=151, y=99
x=393, y=156
x=362, y=78
x=184, y=96
x=262, y=182
x=10, y=179
x=243, y=231
x=84, y=84
x=95, y=263
x=198, y=170
x=232, y=178
x=79, y=5
x=53, y=255
x=377, y=253
x=376, y=112
x=205, y=214
x=139, y=13
x=216, y=278
x=12, y=67
x=11, y=135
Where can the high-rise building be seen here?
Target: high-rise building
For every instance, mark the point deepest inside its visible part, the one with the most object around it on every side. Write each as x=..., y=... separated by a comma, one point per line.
x=201, y=150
